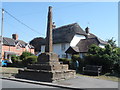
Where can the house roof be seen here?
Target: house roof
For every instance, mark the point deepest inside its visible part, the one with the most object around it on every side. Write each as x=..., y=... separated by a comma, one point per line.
x=72, y=50
x=8, y=41
x=12, y=42
x=84, y=45
x=65, y=34
x=91, y=35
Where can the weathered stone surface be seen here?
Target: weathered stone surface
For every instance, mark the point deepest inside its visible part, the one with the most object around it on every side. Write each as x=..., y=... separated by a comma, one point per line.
x=46, y=76
x=48, y=67
x=49, y=40
x=47, y=57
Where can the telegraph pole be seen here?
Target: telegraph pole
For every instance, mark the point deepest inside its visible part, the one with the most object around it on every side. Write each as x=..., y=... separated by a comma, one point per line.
x=1, y=36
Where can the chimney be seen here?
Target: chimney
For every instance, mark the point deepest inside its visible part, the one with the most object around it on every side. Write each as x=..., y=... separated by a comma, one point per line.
x=54, y=26
x=15, y=36
x=87, y=30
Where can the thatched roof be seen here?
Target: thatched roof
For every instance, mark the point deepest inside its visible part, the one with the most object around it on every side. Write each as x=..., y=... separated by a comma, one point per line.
x=84, y=44
x=65, y=34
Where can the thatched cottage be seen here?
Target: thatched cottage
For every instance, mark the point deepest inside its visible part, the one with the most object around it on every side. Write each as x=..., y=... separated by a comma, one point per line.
x=71, y=39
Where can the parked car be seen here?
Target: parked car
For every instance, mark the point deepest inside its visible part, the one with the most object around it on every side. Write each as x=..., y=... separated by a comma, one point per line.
x=5, y=63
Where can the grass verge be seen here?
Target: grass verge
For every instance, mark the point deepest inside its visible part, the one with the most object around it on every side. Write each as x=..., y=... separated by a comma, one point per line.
x=8, y=71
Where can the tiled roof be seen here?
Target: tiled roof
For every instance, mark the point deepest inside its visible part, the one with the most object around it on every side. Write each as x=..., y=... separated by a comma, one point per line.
x=8, y=41
x=12, y=42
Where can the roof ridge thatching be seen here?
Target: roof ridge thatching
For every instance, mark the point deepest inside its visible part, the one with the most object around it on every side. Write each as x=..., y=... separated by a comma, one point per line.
x=64, y=26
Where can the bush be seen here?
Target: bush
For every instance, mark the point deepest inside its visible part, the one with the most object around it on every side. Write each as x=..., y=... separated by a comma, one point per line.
x=16, y=62
x=29, y=60
x=25, y=54
x=75, y=57
x=80, y=60
x=65, y=60
x=106, y=57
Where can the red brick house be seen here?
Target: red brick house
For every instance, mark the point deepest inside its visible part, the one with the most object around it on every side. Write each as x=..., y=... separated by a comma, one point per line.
x=13, y=46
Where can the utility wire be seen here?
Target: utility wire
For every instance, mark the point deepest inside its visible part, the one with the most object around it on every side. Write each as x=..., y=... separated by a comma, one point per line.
x=22, y=22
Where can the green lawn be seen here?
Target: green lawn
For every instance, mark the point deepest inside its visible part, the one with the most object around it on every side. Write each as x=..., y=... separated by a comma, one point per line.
x=8, y=71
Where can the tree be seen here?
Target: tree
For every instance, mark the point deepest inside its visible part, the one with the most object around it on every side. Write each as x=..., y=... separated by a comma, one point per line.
x=94, y=49
x=107, y=57
x=108, y=49
x=36, y=42
x=112, y=42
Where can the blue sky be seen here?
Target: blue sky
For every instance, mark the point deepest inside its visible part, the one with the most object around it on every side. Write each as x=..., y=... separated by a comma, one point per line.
x=101, y=16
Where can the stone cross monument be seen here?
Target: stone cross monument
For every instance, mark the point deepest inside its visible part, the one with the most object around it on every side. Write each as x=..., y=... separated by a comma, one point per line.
x=48, y=67
x=48, y=57
x=49, y=41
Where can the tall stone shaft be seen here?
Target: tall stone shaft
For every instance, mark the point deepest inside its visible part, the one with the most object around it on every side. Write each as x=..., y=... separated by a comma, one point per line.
x=49, y=41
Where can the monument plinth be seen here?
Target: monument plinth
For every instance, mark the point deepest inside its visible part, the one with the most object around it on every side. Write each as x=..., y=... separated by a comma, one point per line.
x=48, y=67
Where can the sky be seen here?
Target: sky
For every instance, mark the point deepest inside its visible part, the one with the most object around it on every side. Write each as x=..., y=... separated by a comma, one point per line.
x=100, y=17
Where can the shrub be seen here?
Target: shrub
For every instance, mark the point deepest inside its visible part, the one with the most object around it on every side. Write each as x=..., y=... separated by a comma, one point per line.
x=65, y=60
x=29, y=60
x=16, y=61
x=14, y=58
x=106, y=57
x=75, y=57
x=25, y=54
x=80, y=60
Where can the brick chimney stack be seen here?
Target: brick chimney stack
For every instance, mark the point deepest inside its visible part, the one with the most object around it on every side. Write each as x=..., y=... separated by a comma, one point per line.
x=15, y=36
x=54, y=26
x=87, y=30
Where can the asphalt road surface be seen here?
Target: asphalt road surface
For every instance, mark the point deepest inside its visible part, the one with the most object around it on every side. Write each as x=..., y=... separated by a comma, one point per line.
x=15, y=84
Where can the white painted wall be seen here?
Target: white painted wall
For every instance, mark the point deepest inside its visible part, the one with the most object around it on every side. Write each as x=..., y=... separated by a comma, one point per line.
x=57, y=48
x=76, y=39
x=101, y=45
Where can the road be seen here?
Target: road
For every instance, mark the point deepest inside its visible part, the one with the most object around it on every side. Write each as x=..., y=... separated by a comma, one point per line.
x=89, y=82
x=16, y=84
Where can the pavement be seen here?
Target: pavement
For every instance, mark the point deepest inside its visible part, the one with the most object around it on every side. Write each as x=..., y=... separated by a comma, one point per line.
x=80, y=82
x=89, y=82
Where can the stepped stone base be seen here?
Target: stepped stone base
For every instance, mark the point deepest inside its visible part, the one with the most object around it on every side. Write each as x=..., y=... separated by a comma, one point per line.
x=45, y=76
x=47, y=69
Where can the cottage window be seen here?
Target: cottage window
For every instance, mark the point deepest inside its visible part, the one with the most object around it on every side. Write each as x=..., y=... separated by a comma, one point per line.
x=63, y=47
